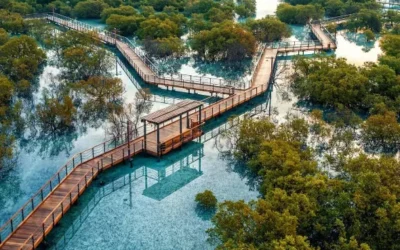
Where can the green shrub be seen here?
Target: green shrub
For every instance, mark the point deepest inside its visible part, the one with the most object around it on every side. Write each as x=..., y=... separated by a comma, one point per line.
x=206, y=199
x=369, y=35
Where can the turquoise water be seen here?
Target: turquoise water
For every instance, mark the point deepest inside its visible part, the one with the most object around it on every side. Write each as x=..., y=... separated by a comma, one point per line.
x=151, y=206
x=160, y=214
x=38, y=158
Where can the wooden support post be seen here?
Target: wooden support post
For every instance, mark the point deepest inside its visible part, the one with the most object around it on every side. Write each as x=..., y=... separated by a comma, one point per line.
x=187, y=120
x=199, y=115
x=158, y=140
x=145, y=135
x=180, y=125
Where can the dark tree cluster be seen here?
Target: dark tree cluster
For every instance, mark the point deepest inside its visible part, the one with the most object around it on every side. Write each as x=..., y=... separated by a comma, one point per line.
x=160, y=24
x=334, y=8
x=302, y=206
x=20, y=63
x=372, y=90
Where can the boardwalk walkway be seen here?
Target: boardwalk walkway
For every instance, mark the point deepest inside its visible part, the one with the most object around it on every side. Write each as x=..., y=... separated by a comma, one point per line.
x=144, y=66
x=325, y=38
x=148, y=71
x=30, y=225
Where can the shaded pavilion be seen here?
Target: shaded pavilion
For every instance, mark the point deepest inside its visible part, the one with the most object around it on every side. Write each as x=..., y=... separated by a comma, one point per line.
x=181, y=126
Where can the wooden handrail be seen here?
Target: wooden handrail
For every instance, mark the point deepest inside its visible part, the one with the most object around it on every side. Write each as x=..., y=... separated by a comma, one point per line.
x=82, y=181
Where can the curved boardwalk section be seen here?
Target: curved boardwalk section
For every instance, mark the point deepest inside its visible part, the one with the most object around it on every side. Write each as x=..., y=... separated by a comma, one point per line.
x=30, y=225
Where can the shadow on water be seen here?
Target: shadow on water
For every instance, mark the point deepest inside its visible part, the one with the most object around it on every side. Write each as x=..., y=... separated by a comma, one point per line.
x=221, y=69
x=300, y=32
x=156, y=91
x=200, y=67
x=359, y=39
x=161, y=179
x=205, y=214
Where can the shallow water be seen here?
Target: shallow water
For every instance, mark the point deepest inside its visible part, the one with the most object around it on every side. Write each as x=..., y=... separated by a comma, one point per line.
x=37, y=160
x=163, y=214
x=356, y=49
x=157, y=209
x=266, y=7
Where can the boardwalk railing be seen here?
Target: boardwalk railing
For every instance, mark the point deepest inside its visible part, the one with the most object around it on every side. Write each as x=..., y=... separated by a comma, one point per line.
x=113, y=39
x=295, y=44
x=61, y=208
x=237, y=99
x=108, y=159
x=326, y=31
x=12, y=224
x=335, y=19
x=261, y=51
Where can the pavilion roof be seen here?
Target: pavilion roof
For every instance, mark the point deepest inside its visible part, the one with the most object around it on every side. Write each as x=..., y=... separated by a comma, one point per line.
x=172, y=111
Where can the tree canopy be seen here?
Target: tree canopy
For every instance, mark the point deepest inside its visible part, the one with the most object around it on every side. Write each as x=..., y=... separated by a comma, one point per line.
x=334, y=83
x=226, y=41
x=302, y=207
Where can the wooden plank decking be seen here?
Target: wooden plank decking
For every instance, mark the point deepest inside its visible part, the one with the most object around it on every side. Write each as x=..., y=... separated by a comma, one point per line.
x=42, y=220
x=326, y=41
x=149, y=75
x=35, y=226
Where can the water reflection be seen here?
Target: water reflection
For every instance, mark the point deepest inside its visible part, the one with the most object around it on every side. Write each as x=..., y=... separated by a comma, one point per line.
x=195, y=66
x=359, y=39
x=355, y=49
x=227, y=71
x=160, y=182
x=152, y=179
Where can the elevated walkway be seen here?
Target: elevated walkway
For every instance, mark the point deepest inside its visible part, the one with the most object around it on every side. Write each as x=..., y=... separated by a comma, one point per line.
x=143, y=65
x=34, y=221
x=327, y=41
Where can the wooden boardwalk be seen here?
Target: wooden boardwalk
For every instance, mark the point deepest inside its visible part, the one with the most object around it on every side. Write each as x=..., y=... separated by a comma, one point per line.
x=29, y=229
x=144, y=66
x=328, y=43
x=151, y=78
x=148, y=71
x=34, y=228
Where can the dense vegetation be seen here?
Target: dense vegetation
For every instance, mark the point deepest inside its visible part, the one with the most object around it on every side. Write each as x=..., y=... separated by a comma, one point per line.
x=160, y=24
x=372, y=90
x=330, y=8
x=302, y=206
x=20, y=62
x=353, y=205
x=83, y=94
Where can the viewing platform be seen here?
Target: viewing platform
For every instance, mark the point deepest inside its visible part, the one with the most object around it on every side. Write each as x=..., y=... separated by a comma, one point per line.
x=174, y=126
